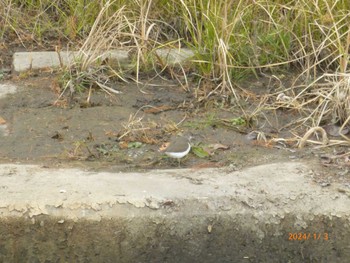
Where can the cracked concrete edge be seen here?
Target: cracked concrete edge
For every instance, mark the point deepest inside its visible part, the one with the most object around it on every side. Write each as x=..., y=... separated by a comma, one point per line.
x=23, y=61
x=269, y=192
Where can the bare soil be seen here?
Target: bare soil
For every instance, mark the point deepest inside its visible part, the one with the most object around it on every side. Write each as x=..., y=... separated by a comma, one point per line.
x=125, y=132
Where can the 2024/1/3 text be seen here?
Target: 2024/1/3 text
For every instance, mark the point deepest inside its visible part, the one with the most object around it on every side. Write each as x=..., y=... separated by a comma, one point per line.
x=307, y=236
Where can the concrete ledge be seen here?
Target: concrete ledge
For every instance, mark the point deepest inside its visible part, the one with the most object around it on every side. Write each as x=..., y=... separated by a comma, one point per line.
x=23, y=61
x=7, y=88
x=255, y=215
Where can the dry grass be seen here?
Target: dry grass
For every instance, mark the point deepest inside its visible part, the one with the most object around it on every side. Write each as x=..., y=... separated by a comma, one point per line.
x=230, y=39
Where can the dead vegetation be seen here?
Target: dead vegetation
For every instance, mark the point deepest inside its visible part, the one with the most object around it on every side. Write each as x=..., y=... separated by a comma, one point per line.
x=230, y=40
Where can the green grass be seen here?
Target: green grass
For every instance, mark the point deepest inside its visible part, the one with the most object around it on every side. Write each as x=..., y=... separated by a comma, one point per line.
x=231, y=38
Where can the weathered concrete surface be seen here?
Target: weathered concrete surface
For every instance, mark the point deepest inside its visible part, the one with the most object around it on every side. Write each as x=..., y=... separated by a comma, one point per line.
x=70, y=215
x=7, y=88
x=23, y=61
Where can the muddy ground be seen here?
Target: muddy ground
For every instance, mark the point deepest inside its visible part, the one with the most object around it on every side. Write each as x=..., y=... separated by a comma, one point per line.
x=126, y=132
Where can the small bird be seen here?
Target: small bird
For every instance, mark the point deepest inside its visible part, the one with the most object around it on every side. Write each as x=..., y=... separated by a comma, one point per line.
x=178, y=148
